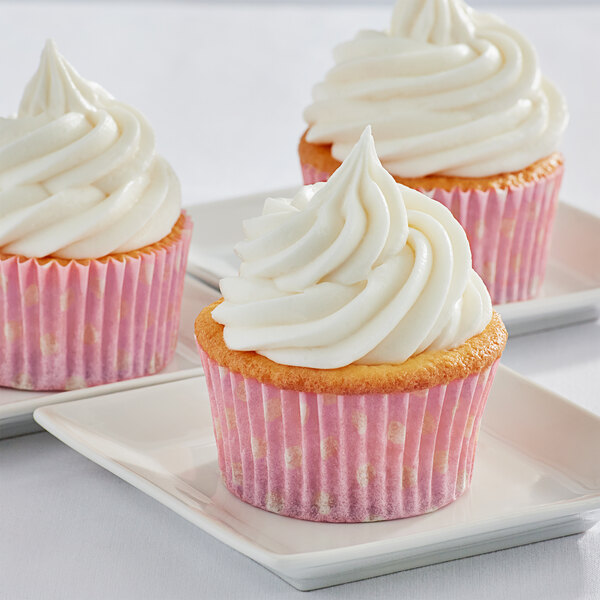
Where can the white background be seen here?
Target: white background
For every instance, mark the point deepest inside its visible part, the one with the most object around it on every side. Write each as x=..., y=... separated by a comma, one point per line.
x=224, y=87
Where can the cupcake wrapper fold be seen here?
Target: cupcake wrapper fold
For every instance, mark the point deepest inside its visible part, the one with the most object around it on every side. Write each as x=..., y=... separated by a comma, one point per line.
x=85, y=323
x=509, y=231
x=345, y=458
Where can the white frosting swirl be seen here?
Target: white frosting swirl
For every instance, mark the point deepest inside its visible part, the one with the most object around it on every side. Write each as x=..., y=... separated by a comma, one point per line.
x=447, y=91
x=358, y=269
x=79, y=173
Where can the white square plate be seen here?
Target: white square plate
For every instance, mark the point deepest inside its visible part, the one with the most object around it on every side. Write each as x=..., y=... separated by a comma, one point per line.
x=17, y=406
x=537, y=476
x=570, y=294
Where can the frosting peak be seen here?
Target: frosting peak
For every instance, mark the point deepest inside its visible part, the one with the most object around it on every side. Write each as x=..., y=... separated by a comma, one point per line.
x=440, y=22
x=57, y=89
x=447, y=90
x=79, y=172
x=358, y=269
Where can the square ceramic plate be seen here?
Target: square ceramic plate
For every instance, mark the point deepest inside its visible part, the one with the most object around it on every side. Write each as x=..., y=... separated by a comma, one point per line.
x=17, y=406
x=532, y=481
x=570, y=294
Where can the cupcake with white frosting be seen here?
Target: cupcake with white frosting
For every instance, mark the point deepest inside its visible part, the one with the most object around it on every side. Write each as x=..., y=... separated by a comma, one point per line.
x=349, y=363
x=93, y=242
x=460, y=111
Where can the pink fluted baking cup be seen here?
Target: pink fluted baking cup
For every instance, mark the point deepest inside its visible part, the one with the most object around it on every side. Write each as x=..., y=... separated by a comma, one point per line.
x=509, y=231
x=345, y=458
x=73, y=324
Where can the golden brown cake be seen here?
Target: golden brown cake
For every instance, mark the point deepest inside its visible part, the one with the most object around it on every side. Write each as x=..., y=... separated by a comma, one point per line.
x=171, y=238
x=319, y=157
x=426, y=370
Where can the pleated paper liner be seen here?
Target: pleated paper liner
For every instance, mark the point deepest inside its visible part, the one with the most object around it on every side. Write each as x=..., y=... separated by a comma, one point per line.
x=509, y=230
x=345, y=458
x=69, y=324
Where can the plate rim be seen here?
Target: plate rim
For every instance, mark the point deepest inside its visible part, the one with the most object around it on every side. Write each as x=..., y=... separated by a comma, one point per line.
x=284, y=563
x=23, y=409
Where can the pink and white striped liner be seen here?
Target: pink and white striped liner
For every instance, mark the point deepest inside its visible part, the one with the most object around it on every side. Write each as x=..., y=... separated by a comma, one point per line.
x=352, y=458
x=78, y=325
x=509, y=231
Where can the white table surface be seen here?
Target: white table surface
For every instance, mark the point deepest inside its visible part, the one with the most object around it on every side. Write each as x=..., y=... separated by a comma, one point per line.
x=224, y=88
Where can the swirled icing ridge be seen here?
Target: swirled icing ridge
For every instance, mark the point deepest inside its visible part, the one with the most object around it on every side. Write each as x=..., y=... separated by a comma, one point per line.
x=447, y=90
x=79, y=172
x=356, y=270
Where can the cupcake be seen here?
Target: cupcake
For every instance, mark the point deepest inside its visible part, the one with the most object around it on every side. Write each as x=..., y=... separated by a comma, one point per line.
x=349, y=363
x=93, y=242
x=459, y=111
